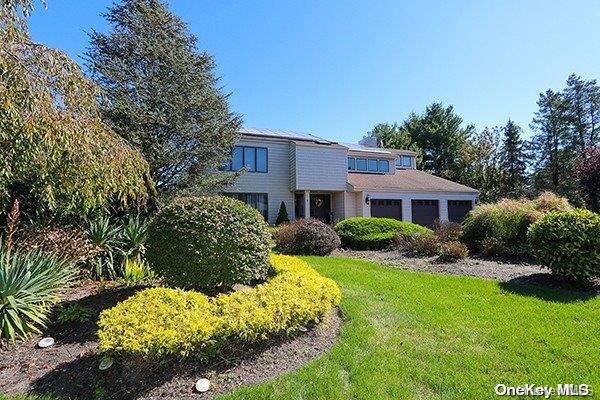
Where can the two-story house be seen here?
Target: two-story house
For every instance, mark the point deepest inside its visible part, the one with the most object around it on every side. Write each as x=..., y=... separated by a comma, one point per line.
x=331, y=181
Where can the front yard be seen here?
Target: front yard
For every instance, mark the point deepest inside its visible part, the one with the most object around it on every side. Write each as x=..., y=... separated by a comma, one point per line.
x=421, y=336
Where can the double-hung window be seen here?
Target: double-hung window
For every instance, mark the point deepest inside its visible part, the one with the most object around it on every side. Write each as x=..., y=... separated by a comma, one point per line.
x=254, y=159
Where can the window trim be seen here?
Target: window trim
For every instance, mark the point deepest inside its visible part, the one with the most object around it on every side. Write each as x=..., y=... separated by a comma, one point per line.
x=255, y=151
x=368, y=160
x=400, y=162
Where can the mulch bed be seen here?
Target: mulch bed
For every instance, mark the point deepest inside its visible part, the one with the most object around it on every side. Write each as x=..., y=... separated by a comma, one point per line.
x=69, y=369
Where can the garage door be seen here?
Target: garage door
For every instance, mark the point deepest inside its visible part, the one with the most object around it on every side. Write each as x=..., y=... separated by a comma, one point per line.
x=458, y=209
x=386, y=208
x=425, y=212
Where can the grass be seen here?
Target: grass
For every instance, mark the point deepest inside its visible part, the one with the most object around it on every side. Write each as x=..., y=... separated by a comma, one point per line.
x=413, y=335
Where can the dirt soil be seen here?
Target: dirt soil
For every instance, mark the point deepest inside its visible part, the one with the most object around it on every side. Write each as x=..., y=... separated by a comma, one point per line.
x=69, y=369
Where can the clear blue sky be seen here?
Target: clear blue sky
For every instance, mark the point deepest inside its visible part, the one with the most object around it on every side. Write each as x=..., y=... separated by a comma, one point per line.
x=337, y=68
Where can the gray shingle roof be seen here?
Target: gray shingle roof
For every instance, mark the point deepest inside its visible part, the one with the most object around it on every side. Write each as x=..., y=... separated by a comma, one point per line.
x=406, y=180
x=284, y=135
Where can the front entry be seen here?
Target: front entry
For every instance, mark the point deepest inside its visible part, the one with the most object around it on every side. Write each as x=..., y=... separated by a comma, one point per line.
x=320, y=207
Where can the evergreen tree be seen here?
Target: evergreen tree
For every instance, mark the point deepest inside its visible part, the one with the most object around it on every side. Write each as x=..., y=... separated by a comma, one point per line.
x=484, y=170
x=513, y=160
x=583, y=112
x=282, y=215
x=553, y=159
x=391, y=136
x=161, y=95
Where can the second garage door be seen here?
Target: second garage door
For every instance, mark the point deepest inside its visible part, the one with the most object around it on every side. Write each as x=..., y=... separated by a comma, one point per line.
x=458, y=210
x=386, y=208
x=425, y=212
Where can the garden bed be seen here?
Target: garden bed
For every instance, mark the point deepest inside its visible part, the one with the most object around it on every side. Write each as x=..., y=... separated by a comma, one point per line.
x=70, y=368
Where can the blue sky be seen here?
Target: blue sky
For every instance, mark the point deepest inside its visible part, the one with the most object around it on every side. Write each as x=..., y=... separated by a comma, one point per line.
x=336, y=68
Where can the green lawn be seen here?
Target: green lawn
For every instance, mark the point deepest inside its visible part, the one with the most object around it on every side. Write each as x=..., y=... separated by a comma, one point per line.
x=412, y=335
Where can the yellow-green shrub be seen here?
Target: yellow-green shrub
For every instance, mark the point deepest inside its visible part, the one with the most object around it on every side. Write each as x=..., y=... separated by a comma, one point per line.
x=163, y=322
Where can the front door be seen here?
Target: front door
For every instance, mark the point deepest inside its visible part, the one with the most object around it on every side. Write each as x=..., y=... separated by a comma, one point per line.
x=320, y=207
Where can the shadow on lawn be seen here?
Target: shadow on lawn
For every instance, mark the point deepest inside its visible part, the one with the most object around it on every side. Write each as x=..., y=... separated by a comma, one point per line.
x=548, y=287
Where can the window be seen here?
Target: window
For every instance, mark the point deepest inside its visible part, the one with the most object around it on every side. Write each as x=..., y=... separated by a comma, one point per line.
x=259, y=201
x=351, y=164
x=361, y=164
x=255, y=159
x=384, y=166
x=404, y=162
x=373, y=165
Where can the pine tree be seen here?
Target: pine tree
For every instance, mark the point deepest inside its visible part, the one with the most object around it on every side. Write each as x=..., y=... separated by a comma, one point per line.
x=513, y=159
x=391, y=136
x=161, y=95
x=583, y=112
x=282, y=215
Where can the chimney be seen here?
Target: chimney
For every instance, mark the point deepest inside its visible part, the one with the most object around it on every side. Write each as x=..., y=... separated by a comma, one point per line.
x=369, y=141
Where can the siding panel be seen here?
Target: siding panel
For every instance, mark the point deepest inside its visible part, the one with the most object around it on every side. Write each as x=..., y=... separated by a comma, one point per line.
x=321, y=167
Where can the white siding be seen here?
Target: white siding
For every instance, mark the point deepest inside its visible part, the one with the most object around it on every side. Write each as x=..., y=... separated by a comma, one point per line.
x=338, y=202
x=353, y=203
x=320, y=167
x=276, y=182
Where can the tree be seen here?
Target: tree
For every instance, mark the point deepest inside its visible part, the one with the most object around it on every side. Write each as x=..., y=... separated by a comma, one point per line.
x=56, y=155
x=553, y=158
x=161, y=95
x=282, y=215
x=583, y=112
x=484, y=167
x=443, y=140
x=513, y=160
x=587, y=171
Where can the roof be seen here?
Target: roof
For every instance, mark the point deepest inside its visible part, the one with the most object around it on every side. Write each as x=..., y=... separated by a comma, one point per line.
x=284, y=135
x=382, y=150
x=409, y=180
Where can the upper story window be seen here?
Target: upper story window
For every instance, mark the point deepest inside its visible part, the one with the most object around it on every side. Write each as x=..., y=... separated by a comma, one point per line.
x=404, y=162
x=254, y=159
x=368, y=164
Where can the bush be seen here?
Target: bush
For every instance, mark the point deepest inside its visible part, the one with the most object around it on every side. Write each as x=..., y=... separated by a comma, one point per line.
x=568, y=243
x=163, y=322
x=507, y=221
x=425, y=245
x=306, y=236
x=492, y=247
x=208, y=243
x=452, y=251
x=136, y=272
x=74, y=313
x=282, y=215
x=361, y=233
x=29, y=283
x=448, y=231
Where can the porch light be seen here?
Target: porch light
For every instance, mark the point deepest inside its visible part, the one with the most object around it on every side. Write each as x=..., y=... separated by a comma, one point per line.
x=367, y=199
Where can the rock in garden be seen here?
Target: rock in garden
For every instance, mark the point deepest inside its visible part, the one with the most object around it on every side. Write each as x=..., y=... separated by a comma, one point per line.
x=202, y=385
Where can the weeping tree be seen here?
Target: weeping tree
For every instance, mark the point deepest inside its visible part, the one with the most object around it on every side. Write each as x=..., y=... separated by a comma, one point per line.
x=56, y=154
x=161, y=94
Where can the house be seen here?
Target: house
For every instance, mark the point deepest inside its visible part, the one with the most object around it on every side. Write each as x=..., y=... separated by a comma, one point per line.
x=322, y=179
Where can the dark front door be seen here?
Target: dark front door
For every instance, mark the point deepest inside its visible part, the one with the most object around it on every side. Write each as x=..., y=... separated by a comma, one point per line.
x=386, y=208
x=320, y=207
x=458, y=210
x=425, y=212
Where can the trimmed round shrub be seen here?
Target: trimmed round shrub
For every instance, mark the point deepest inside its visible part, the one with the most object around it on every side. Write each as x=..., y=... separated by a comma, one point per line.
x=507, y=221
x=452, y=251
x=208, y=243
x=162, y=322
x=306, y=236
x=362, y=233
x=568, y=243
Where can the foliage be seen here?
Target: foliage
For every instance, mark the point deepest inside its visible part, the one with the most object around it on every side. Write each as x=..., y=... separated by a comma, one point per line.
x=161, y=95
x=587, y=171
x=424, y=244
x=568, y=243
x=452, y=251
x=56, y=153
x=161, y=322
x=448, y=231
x=66, y=242
x=29, y=281
x=492, y=247
x=507, y=221
x=282, y=215
x=373, y=233
x=306, y=236
x=136, y=271
x=392, y=136
x=133, y=238
x=514, y=158
x=74, y=312
x=208, y=243
x=106, y=238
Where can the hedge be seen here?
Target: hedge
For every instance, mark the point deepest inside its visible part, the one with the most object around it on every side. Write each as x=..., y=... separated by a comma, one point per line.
x=161, y=322
x=363, y=233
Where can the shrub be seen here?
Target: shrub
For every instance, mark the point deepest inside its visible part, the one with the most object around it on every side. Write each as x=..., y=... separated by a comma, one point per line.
x=425, y=244
x=448, y=231
x=306, y=236
x=492, y=247
x=452, y=251
x=363, y=233
x=568, y=243
x=208, y=243
x=29, y=282
x=507, y=221
x=136, y=272
x=163, y=322
x=106, y=238
x=282, y=215
x=74, y=313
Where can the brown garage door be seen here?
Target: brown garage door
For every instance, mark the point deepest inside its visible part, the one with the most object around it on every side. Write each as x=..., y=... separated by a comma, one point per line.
x=458, y=209
x=425, y=212
x=386, y=208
